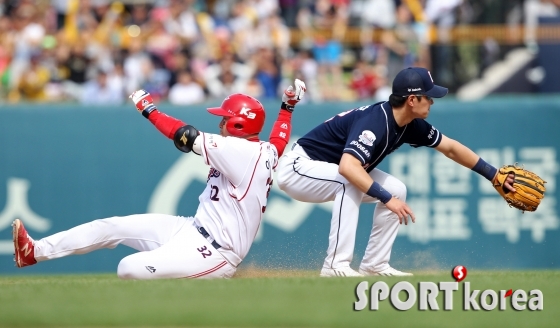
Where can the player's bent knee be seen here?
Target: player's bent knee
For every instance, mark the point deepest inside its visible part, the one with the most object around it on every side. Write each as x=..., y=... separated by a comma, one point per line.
x=397, y=189
x=126, y=269
x=281, y=177
x=282, y=183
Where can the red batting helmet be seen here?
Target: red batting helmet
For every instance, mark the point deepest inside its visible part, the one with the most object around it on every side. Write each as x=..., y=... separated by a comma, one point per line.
x=245, y=112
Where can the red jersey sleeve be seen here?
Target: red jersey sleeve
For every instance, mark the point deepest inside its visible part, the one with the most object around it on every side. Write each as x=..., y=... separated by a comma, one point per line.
x=166, y=124
x=281, y=130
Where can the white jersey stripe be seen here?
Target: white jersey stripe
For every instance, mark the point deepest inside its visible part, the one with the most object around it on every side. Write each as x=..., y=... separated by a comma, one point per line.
x=252, y=176
x=204, y=145
x=387, y=143
x=437, y=138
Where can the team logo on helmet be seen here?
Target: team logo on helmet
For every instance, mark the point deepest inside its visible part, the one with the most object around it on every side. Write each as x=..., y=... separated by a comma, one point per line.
x=367, y=138
x=245, y=111
x=246, y=114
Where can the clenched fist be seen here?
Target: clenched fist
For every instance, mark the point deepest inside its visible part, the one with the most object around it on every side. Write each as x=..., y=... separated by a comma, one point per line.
x=143, y=102
x=292, y=95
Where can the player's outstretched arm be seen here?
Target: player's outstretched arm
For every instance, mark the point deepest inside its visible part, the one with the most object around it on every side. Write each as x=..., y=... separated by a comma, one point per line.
x=183, y=135
x=519, y=187
x=282, y=128
x=463, y=155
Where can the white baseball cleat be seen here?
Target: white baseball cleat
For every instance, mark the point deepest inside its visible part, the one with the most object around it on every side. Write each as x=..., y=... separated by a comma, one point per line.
x=340, y=272
x=387, y=272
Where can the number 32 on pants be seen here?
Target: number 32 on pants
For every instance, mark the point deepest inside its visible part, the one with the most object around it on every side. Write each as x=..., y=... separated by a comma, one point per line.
x=204, y=251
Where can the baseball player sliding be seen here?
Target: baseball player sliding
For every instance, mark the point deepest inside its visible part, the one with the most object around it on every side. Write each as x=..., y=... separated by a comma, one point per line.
x=213, y=242
x=336, y=162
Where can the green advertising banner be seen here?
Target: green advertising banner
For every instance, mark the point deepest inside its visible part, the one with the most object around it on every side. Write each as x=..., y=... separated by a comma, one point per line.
x=63, y=165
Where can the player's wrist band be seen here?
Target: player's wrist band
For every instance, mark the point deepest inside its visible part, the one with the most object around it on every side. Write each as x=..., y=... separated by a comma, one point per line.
x=485, y=169
x=287, y=107
x=147, y=111
x=378, y=192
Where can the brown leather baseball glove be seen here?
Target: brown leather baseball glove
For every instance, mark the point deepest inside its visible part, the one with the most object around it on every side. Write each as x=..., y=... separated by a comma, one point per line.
x=529, y=187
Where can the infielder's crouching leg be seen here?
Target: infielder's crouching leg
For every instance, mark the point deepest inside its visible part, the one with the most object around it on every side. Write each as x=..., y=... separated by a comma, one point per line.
x=384, y=230
x=306, y=180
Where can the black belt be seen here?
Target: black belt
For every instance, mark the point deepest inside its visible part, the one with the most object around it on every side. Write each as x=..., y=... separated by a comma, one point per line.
x=206, y=235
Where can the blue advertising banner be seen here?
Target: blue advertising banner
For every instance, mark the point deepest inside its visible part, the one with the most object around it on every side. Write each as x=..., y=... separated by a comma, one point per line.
x=64, y=165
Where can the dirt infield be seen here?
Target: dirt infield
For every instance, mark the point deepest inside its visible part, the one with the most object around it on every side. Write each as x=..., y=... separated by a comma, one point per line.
x=254, y=272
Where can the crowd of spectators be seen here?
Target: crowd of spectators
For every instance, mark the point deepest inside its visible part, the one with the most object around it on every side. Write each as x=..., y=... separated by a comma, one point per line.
x=189, y=51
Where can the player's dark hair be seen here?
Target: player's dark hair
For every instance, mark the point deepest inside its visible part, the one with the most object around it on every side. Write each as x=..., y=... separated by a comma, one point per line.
x=398, y=101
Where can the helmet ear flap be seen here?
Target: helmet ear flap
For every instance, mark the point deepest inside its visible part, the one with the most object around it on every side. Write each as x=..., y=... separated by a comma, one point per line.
x=235, y=126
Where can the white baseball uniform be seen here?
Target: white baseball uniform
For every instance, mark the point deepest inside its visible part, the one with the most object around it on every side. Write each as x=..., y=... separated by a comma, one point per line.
x=310, y=173
x=209, y=245
x=311, y=181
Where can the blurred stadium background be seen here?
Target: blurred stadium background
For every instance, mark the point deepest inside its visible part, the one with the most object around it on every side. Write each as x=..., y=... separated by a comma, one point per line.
x=189, y=51
x=72, y=150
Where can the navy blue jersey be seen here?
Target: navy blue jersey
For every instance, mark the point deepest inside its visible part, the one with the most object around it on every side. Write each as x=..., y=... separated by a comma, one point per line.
x=369, y=133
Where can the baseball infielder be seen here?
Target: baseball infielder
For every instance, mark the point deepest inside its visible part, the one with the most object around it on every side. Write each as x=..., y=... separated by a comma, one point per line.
x=336, y=162
x=213, y=242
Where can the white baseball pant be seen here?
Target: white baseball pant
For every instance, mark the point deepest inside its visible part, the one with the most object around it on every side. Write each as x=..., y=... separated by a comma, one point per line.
x=170, y=246
x=312, y=181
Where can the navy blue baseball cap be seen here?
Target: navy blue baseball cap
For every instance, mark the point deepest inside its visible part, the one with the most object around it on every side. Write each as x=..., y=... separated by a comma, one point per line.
x=416, y=81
